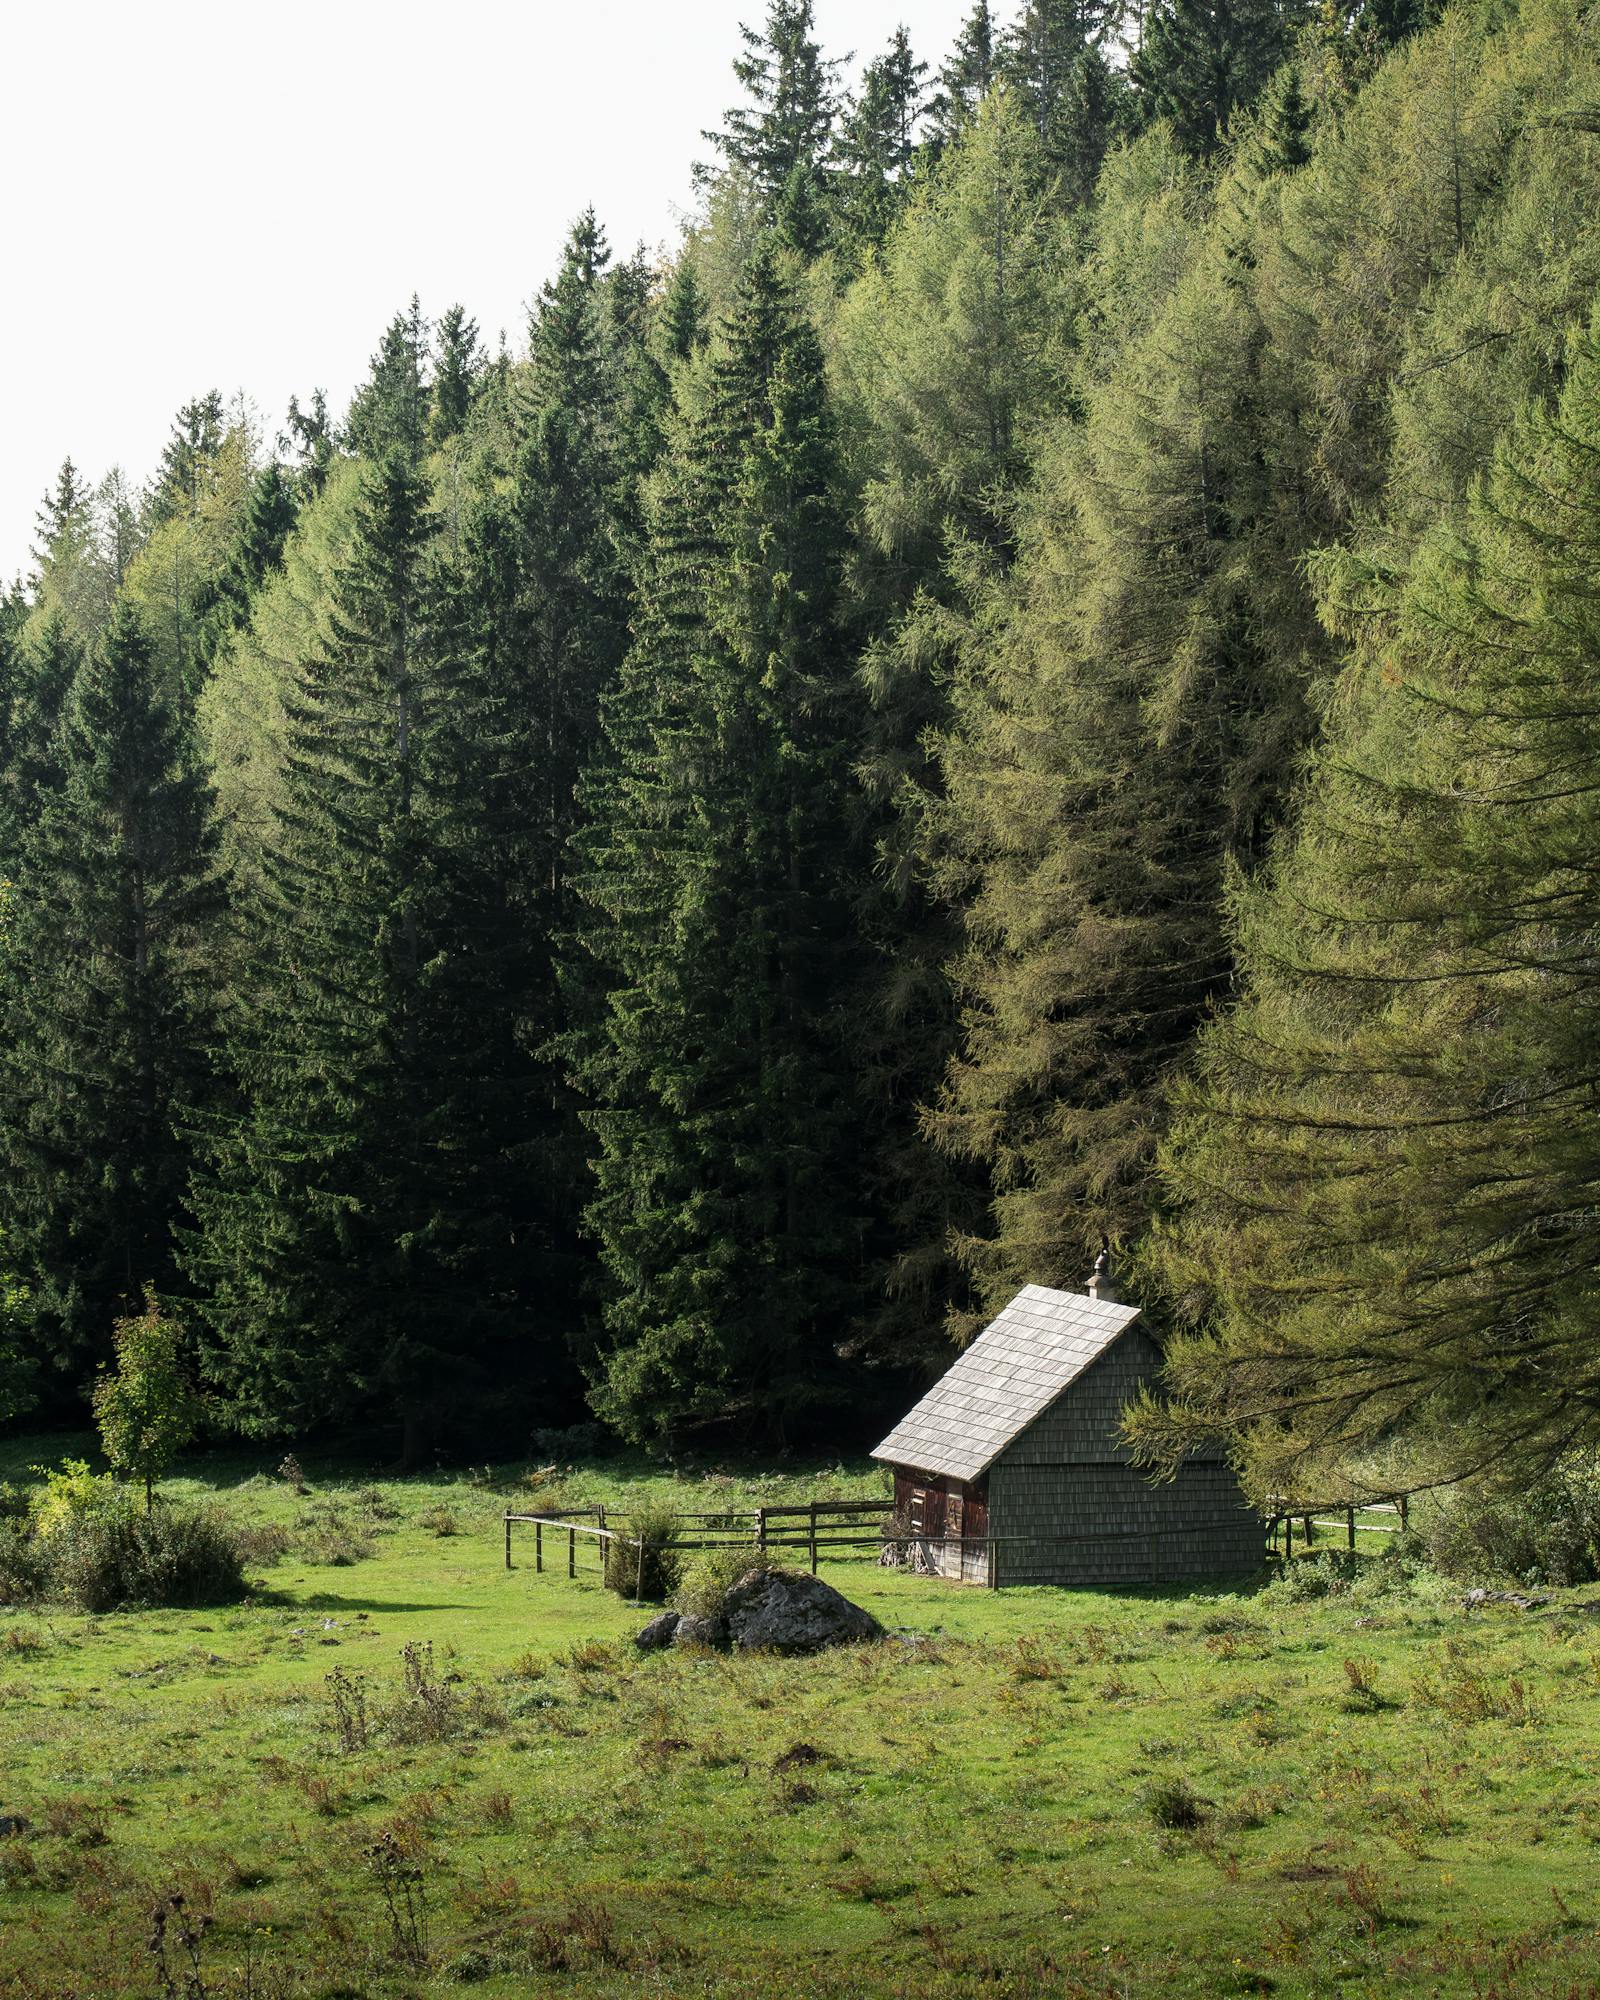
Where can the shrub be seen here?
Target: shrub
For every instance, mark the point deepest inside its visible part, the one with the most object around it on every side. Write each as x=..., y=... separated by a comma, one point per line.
x=1544, y=1533
x=1175, y=1806
x=334, y=1538
x=71, y=1491
x=1328, y=1573
x=658, y=1575
x=114, y=1559
x=23, y=1570
x=709, y=1575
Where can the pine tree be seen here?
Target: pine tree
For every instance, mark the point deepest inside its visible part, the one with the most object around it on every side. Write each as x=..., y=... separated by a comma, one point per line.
x=186, y=458
x=105, y=1004
x=1202, y=60
x=965, y=79
x=457, y=367
x=360, y=1250
x=726, y=1201
x=1385, y=1162
x=793, y=95
x=315, y=440
x=256, y=553
x=390, y=410
x=877, y=141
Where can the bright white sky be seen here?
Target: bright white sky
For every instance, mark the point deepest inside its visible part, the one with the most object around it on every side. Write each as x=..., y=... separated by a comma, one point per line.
x=241, y=196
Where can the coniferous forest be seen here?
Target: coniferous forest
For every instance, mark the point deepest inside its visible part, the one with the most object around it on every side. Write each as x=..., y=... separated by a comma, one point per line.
x=1034, y=685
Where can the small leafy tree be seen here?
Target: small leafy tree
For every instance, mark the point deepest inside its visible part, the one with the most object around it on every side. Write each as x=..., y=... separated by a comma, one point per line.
x=147, y=1408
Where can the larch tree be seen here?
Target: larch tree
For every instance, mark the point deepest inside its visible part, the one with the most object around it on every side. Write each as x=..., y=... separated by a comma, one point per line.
x=1385, y=1164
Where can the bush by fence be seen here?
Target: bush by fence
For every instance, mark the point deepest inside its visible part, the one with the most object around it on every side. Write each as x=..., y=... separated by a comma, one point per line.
x=1548, y=1532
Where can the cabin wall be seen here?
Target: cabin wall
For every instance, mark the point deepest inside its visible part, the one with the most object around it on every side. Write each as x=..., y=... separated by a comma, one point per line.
x=949, y=1519
x=1081, y=1425
x=1100, y=1525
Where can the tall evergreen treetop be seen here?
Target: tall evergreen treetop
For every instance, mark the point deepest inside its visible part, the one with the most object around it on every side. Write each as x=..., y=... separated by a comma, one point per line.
x=390, y=410
x=186, y=458
x=877, y=139
x=965, y=78
x=1201, y=60
x=793, y=92
x=458, y=364
x=715, y=857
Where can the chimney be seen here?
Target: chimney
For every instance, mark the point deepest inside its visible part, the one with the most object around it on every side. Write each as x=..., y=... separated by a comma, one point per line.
x=1101, y=1285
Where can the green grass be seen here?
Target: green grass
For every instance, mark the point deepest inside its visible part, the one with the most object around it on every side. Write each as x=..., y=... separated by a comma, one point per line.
x=1031, y=1792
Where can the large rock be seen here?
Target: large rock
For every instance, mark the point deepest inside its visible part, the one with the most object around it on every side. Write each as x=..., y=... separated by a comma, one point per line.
x=777, y=1611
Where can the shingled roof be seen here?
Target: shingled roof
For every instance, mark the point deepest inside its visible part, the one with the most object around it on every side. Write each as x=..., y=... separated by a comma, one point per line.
x=1012, y=1373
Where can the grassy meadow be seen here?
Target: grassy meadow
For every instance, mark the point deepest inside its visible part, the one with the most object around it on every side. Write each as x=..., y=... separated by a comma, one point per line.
x=401, y=1770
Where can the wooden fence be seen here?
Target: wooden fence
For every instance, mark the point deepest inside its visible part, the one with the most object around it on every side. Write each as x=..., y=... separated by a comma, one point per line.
x=813, y=1526
x=820, y=1525
x=1333, y=1514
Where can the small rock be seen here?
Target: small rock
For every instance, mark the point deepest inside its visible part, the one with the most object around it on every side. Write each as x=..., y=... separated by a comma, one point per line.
x=693, y=1630
x=1519, y=1600
x=13, y=1823
x=658, y=1633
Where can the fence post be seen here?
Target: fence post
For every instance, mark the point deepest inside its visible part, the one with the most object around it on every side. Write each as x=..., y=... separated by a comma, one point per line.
x=1350, y=1525
x=508, y=1541
x=638, y=1585
x=1288, y=1536
x=1405, y=1511
x=813, y=1538
x=1310, y=1527
x=572, y=1552
x=538, y=1548
x=600, y=1539
x=761, y=1527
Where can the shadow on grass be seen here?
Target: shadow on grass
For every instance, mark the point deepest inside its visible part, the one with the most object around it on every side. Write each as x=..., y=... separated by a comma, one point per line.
x=323, y=1600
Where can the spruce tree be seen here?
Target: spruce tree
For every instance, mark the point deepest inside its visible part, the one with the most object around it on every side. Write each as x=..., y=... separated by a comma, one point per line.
x=965, y=78
x=726, y=1202
x=1385, y=1163
x=877, y=141
x=105, y=1003
x=315, y=440
x=1202, y=60
x=186, y=458
x=457, y=366
x=793, y=94
x=256, y=553
x=365, y=1220
x=390, y=410
x=69, y=574
x=42, y=665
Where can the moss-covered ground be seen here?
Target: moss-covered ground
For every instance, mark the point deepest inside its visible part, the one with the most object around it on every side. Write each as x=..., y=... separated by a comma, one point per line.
x=1024, y=1793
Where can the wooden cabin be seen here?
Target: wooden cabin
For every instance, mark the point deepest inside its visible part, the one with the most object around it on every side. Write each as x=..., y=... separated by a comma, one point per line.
x=1011, y=1470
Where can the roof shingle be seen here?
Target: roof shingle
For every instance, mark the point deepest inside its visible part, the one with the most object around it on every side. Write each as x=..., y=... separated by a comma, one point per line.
x=1011, y=1373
